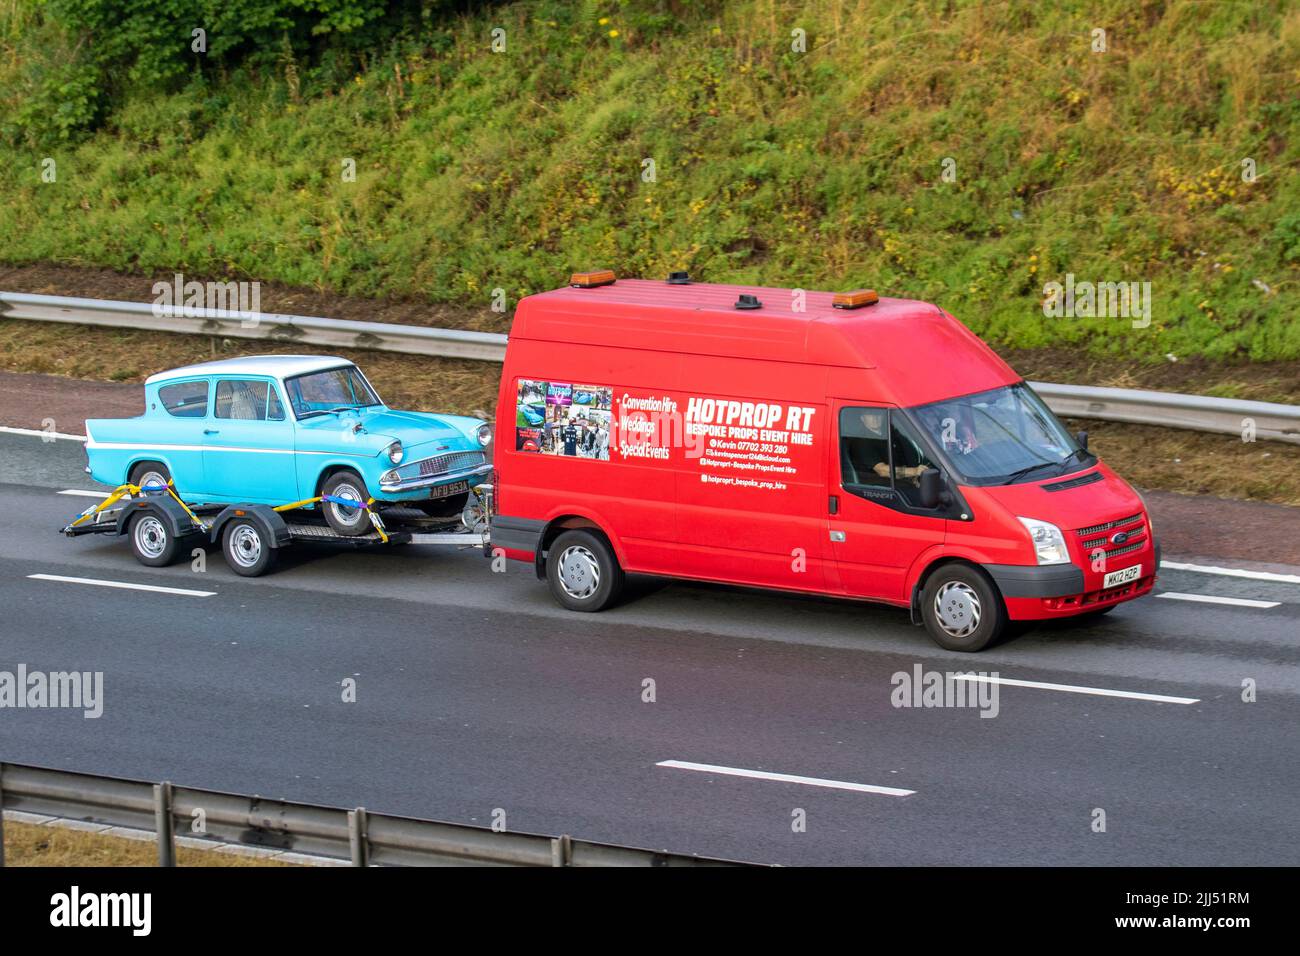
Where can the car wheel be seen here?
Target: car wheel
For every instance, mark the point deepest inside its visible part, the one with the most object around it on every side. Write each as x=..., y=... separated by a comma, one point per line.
x=247, y=550
x=150, y=473
x=583, y=572
x=447, y=507
x=962, y=609
x=151, y=540
x=347, y=520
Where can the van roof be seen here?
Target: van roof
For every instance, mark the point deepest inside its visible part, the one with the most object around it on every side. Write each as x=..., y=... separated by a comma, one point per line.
x=917, y=352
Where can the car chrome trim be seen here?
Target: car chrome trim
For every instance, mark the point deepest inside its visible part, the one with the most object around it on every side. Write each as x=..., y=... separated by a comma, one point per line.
x=412, y=484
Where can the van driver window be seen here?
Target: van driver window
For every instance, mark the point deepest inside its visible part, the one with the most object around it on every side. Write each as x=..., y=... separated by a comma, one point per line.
x=864, y=447
x=910, y=460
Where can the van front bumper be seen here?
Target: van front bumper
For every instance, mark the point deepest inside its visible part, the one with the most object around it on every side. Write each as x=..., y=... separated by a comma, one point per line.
x=1059, y=590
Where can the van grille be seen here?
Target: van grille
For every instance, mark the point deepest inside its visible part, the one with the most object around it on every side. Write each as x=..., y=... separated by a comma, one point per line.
x=1097, y=537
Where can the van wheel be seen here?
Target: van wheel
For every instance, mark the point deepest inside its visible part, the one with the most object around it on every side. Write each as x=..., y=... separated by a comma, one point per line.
x=582, y=571
x=347, y=520
x=962, y=609
x=152, y=542
x=246, y=548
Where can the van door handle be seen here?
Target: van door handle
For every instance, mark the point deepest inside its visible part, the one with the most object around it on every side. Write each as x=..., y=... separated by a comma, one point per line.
x=834, y=504
x=837, y=536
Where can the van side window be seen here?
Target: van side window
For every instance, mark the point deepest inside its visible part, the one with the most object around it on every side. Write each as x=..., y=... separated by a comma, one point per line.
x=864, y=447
x=185, y=399
x=909, y=456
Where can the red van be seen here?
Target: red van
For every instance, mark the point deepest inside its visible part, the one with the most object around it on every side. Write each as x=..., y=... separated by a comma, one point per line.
x=845, y=445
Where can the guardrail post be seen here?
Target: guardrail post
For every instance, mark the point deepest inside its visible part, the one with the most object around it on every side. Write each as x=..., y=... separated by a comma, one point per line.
x=561, y=851
x=358, y=837
x=164, y=824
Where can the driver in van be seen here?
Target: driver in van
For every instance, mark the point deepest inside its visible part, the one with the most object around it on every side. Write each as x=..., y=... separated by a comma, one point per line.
x=866, y=447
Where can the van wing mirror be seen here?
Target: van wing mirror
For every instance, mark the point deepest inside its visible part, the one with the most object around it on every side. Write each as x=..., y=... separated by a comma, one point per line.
x=934, y=489
x=1082, y=439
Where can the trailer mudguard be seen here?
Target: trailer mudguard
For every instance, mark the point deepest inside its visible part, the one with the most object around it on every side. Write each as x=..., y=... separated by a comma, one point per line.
x=275, y=531
x=170, y=511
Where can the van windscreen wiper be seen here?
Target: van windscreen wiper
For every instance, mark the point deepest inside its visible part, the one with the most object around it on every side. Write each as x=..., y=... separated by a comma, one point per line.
x=1016, y=475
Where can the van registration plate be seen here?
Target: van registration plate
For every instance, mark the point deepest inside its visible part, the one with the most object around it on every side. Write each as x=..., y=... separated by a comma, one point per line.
x=1122, y=577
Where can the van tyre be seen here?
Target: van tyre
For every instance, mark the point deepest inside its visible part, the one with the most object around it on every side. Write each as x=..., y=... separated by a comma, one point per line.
x=346, y=520
x=248, y=551
x=152, y=540
x=583, y=572
x=962, y=609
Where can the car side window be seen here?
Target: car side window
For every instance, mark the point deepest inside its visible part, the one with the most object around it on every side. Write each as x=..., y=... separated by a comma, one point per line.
x=274, y=410
x=185, y=399
x=864, y=447
x=242, y=400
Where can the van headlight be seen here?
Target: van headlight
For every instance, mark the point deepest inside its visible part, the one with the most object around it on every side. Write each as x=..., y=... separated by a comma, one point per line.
x=485, y=434
x=1049, y=543
x=395, y=453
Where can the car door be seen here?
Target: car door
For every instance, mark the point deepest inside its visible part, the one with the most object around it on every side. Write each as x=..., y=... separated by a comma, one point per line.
x=877, y=526
x=248, y=444
x=178, y=432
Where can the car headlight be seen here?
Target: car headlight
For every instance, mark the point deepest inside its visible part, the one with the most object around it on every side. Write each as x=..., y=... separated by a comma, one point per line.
x=395, y=453
x=485, y=434
x=1049, y=543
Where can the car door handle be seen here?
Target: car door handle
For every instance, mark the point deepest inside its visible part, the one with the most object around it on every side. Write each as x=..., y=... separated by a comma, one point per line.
x=212, y=431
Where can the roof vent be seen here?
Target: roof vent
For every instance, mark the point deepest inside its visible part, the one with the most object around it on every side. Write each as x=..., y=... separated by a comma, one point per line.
x=748, y=302
x=590, y=280
x=855, y=299
x=679, y=278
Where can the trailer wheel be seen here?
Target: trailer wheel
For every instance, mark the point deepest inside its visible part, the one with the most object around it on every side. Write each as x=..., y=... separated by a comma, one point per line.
x=583, y=572
x=962, y=609
x=247, y=549
x=151, y=540
x=347, y=520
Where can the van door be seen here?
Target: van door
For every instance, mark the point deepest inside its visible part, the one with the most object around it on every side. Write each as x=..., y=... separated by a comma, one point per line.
x=877, y=527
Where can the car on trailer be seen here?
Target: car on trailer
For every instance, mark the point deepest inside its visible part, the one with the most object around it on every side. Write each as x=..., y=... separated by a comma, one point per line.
x=243, y=438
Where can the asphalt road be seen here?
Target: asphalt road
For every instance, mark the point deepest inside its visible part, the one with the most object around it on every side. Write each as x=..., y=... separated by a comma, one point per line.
x=475, y=692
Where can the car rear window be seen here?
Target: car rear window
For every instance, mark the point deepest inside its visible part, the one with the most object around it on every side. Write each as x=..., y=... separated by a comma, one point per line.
x=185, y=399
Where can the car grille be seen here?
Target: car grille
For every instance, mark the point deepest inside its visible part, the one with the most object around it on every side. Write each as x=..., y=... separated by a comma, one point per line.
x=446, y=464
x=1097, y=537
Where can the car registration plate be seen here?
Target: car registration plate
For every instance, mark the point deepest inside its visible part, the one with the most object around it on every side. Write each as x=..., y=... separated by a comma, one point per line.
x=446, y=491
x=1122, y=577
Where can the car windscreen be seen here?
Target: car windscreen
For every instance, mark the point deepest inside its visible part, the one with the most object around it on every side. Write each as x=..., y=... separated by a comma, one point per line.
x=1001, y=436
x=342, y=387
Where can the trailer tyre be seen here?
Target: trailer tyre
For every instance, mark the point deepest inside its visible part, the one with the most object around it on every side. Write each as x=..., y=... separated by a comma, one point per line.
x=583, y=572
x=347, y=520
x=152, y=541
x=962, y=609
x=247, y=549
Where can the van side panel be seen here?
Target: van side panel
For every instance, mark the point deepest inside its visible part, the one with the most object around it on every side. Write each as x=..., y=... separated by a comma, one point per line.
x=631, y=498
x=751, y=486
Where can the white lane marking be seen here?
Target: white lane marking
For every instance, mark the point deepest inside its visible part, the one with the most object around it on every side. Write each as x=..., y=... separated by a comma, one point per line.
x=1233, y=572
x=1213, y=599
x=120, y=584
x=83, y=494
x=784, y=778
x=37, y=433
x=1075, y=689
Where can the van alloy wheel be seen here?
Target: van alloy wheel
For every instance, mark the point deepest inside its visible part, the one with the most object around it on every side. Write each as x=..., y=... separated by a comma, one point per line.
x=579, y=572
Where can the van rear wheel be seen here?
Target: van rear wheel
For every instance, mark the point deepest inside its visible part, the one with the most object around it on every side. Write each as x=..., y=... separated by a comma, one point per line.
x=962, y=609
x=583, y=572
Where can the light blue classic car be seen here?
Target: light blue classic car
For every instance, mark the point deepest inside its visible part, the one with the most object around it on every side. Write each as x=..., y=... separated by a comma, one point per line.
x=276, y=429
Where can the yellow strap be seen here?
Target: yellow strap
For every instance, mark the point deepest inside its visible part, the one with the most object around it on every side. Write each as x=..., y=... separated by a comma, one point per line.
x=116, y=495
x=296, y=504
